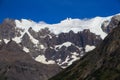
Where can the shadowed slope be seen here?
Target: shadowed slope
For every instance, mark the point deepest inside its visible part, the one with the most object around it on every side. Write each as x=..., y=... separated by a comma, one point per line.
x=15, y=64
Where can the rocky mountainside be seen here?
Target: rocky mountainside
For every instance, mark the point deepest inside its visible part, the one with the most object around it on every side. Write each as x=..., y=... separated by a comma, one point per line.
x=103, y=63
x=61, y=43
x=15, y=64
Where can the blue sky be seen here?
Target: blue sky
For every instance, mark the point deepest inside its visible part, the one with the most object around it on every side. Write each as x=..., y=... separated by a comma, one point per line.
x=53, y=11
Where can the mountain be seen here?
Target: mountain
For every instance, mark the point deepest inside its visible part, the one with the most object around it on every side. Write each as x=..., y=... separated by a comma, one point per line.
x=15, y=64
x=102, y=63
x=61, y=43
x=38, y=51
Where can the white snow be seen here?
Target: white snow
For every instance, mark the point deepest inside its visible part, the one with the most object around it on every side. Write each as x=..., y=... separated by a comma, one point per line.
x=26, y=49
x=75, y=57
x=74, y=53
x=50, y=36
x=68, y=61
x=16, y=39
x=42, y=46
x=59, y=60
x=26, y=24
x=35, y=41
x=66, y=25
x=42, y=59
x=66, y=44
x=0, y=40
x=89, y=48
x=6, y=41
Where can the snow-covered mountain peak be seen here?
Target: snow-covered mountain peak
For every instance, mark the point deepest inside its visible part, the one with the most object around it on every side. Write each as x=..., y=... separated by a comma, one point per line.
x=76, y=25
x=24, y=24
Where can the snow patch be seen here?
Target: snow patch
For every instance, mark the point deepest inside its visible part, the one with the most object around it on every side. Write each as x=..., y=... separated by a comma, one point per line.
x=42, y=59
x=66, y=44
x=89, y=48
x=73, y=58
x=6, y=41
x=50, y=36
x=42, y=46
x=74, y=53
x=59, y=60
x=35, y=41
x=26, y=49
x=66, y=61
x=16, y=39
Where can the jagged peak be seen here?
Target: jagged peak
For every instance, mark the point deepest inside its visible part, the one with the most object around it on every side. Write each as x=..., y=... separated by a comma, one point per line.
x=66, y=25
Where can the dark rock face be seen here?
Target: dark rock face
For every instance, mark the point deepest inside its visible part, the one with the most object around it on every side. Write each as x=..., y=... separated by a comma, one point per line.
x=8, y=30
x=12, y=46
x=15, y=64
x=100, y=64
x=26, y=41
x=80, y=39
x=114, y=22
x=107, y=27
